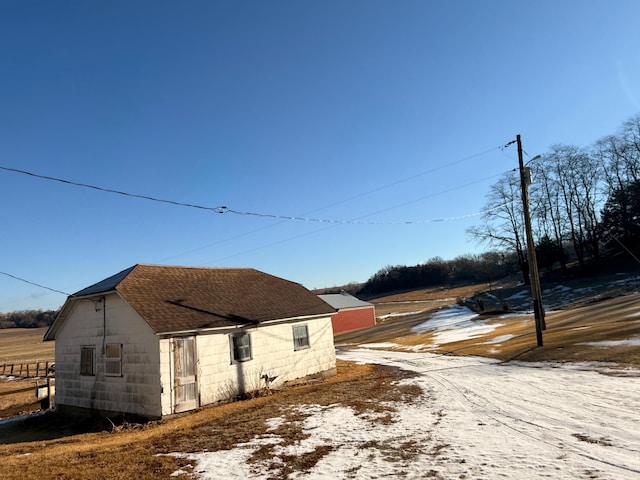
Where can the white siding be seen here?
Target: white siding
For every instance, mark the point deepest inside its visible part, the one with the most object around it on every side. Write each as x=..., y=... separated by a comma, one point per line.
x=273, y=355
x=147, y=383
x=138, y=390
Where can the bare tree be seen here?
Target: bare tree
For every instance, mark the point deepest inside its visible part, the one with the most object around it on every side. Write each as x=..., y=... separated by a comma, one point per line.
x=503, y=226
x=571, y=186
x=628, y=152
x=619, y=156
x=545, y=198
x=571, y=197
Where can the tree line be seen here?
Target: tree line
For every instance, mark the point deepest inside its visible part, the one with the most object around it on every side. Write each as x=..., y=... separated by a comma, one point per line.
x=27, y=318
x=584, y=202
x=485, y=267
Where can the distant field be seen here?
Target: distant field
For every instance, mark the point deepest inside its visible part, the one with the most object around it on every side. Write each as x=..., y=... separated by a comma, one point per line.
x=21, y=345
x=426, y=299
x=602, y=328
x=24, y=345
x=596, y=329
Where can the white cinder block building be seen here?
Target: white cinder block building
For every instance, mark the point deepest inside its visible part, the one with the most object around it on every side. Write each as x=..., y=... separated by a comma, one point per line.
x=157, y=340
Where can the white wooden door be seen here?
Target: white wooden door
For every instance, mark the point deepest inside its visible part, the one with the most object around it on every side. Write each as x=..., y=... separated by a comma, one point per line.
x=184, y=360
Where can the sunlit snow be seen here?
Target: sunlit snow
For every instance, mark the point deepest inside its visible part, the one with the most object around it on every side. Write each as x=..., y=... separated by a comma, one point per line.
x=454, y=324
x=629, y=342
x=499, y=339
x=476, y=418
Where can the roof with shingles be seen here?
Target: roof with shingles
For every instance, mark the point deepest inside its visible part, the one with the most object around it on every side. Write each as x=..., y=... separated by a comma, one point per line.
x=175, y=299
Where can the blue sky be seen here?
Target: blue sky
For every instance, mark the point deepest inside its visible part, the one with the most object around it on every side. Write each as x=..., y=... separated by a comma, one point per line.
x=375, y=111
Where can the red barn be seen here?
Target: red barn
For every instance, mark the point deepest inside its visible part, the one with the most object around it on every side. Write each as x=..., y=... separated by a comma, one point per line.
x=352, y=313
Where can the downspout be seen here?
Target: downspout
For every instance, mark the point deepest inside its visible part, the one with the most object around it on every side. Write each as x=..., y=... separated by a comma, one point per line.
x=96, y=304
x=104, y=325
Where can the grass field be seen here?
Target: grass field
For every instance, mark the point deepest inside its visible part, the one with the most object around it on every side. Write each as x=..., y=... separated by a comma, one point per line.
x=585, y=330
x=21, y=345
x=18, y=345
x=18, y=403
x=49, y=447
x=426, y=299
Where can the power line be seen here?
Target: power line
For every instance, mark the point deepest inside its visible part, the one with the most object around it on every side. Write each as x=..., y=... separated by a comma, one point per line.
x=224, y=209
x=34, y=283
x=110, y=190
x=357, y=221
x=284, y=218
x=625, y=248
x=348, y=199
x=449, y=190
x=412, y=177
x=284, y=240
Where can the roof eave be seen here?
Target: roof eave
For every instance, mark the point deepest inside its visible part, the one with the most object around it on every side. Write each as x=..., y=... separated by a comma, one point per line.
x=241, y=326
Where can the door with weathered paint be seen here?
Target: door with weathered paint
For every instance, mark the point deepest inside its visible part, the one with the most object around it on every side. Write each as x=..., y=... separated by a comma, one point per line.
x=184, y=361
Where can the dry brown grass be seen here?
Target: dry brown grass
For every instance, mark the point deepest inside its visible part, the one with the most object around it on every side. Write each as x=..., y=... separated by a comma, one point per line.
x=426, y=299
x=566, y=335
x=437, y=293
x=403, y=307
x=592, y=320
x=48, y=447
x=21, y=402
x=21, y=345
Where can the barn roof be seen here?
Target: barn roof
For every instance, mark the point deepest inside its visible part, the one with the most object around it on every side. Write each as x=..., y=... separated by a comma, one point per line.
x=173, y=298
x=344, y=300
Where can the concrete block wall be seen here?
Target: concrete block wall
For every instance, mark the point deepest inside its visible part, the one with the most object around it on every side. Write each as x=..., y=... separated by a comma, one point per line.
x=273, y=355
x=137, y=391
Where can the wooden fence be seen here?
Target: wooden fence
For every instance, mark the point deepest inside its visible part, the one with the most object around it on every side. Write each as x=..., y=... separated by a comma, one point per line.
x=44, y=393
x=28, y=370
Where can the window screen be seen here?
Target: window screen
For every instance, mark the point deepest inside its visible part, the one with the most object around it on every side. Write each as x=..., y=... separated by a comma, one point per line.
x=300, y=337
x=241, y=346
x=113, y=360
x=87, y=355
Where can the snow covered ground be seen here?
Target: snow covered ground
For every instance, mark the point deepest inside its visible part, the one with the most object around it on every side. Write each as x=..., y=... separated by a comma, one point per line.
x=476, y=419
x=455, y=323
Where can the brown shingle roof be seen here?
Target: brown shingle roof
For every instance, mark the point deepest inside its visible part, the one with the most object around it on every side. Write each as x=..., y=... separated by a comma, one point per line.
x=172, y=299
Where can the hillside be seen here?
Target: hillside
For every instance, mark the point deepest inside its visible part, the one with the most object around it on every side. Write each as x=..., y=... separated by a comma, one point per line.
x=398, y=407
x=580, y=314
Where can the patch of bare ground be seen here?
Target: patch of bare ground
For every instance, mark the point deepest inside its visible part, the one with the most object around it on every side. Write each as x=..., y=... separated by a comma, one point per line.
x=52, y=447
x=398, y=313
x=572, y=335
x=426, y=299
x=600, y=441
x=601, y=313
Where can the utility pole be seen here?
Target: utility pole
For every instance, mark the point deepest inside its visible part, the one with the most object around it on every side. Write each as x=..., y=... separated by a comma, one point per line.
x=534, y=277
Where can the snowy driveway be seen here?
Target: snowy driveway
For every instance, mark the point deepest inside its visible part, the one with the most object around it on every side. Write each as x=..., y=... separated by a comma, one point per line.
x=519, y=421
x=476, y=419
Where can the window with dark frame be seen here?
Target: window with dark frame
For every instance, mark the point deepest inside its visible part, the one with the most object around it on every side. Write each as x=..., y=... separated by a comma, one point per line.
x=87, y=361
x=241, y=347
x=113, y=360
x=300, y=337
